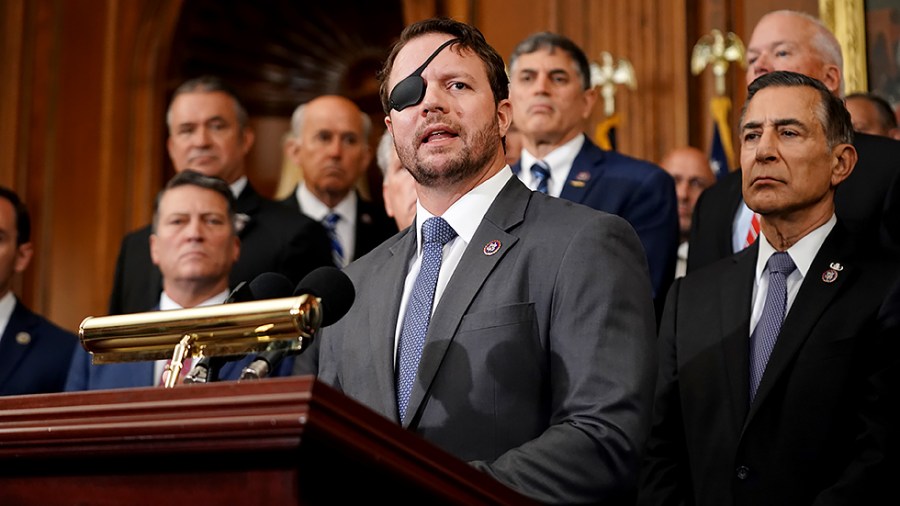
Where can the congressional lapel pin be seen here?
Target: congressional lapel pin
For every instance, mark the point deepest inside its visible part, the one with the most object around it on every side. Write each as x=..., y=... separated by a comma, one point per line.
x=366, y=218
x=492, y=247
x=241, y=220
x=831, y=274
x=23, y=338
x=580, y=179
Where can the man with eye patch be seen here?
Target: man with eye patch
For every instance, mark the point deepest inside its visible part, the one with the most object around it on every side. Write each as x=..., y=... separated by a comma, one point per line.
x=868, y=202
x=552, y=97
x=329, y=141
x=512, y=329
x=775, y=383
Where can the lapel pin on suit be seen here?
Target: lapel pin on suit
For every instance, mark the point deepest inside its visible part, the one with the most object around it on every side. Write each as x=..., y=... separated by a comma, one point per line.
x=580, y=179
x=492, y=247
x=366, y=218
x=831, y=274
x=23, y=338
x=241, y=220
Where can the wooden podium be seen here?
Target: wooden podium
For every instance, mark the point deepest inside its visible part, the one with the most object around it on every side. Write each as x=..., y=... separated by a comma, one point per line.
x=273, y=442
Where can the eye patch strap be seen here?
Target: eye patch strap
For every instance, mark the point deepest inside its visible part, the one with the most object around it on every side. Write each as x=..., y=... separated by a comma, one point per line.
x=411, y=90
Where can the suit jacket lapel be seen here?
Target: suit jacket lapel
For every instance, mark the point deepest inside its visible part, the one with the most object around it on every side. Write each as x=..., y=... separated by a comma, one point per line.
x=11, y=351
x=736, y=290
x=384, y=316
x=812, y=300
x=507, y=211
x=587, y=168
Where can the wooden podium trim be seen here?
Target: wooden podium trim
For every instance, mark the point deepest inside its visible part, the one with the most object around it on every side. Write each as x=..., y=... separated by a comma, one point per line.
x=295, y=425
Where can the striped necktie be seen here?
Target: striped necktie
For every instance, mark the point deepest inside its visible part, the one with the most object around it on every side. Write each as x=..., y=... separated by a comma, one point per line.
x=541, y=173
x=337, y=251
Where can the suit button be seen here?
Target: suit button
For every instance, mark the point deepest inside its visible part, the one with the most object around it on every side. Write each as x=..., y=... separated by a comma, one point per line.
x=742, y=472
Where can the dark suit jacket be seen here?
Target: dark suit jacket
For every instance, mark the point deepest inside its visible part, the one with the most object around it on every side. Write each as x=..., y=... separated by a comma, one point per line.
x=815, y=432
x=868, y=202
x=373, y=226
x=274, y=240
x=538, y=364
x=39, y=363
x=636, y=190
x=85, y=376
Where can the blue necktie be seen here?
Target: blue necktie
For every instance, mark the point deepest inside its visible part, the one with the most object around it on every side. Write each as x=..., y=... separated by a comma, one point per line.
x=337, y=251
x=436, y=232
x=762, y=341
x=541, y=173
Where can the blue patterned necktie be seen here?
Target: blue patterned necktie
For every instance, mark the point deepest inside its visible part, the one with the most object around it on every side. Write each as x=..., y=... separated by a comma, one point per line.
x=337, y=251
x=541, y=173
x=436, y=232
x=762, y=341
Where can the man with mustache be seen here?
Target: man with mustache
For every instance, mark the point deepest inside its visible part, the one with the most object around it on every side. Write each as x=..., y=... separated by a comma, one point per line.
x=208, y=132
x=330, y=144
x=512, y=329
x=552, y=97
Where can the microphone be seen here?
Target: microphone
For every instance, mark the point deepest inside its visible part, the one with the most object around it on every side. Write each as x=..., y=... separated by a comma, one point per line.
x=335, y=294
x=268, y=285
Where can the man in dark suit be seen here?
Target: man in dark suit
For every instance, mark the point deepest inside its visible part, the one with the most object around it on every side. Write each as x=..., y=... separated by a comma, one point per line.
x=536, y=364
x=552, y=96
x=208, y=132
x=770, y=388
x=194, y=244
x=867, y=202
x=329, y=142
x=34, y=353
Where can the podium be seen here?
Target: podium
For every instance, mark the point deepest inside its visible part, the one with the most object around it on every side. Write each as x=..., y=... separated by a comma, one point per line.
x=277, y=441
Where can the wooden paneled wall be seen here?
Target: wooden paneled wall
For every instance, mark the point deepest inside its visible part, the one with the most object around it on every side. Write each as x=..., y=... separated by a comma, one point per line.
x=82, y=108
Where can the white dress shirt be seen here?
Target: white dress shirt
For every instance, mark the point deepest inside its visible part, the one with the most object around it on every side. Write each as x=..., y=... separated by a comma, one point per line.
x=803, y=252
x=7, y=305
x=346, y=209
x=559, y=160
x=166, y=304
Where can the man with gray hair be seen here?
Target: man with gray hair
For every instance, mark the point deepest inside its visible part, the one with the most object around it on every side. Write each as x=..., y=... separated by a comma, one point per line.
x=869, y=201
x=398, y=187
x=330, y=144
x=552, y=97
x=208, y=133
x=774, y=385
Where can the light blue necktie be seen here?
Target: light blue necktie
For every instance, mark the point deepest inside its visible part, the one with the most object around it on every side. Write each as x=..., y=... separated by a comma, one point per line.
x=337, y=251
x=436, y=232
x=541, y=173
x=762, y=341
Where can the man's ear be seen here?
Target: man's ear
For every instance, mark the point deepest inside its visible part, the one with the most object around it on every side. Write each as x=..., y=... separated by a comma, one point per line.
x=24, y=253
x=845, y=160
x=247, y=139
x=504, y=116
x=589, y=98
x=154, y=253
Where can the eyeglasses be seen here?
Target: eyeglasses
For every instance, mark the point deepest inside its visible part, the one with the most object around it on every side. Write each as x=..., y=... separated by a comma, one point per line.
x=411, y=90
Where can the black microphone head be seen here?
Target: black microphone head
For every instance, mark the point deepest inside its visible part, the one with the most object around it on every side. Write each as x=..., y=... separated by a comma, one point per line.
x=270, y=285
x=333, y=287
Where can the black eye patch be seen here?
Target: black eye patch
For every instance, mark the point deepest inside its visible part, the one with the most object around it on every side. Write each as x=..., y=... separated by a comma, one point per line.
x=411, y=90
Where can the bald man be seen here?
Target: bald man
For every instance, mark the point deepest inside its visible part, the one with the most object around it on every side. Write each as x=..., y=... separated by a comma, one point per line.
x=869, y=200
x=329, y=142
x=872, y=115
x=692, y=173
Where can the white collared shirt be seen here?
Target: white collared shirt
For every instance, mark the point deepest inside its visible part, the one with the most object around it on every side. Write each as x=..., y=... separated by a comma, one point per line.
x=238, y=186
x=803, y=252
x=7, y=305
x=559, y=160
x=346, y=209
x=166, y=304
x=464, y=216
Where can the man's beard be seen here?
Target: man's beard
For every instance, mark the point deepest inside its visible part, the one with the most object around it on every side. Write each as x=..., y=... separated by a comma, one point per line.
x=469, y=162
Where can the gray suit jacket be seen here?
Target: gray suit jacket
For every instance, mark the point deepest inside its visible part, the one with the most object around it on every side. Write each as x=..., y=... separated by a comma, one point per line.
x=538, y=365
